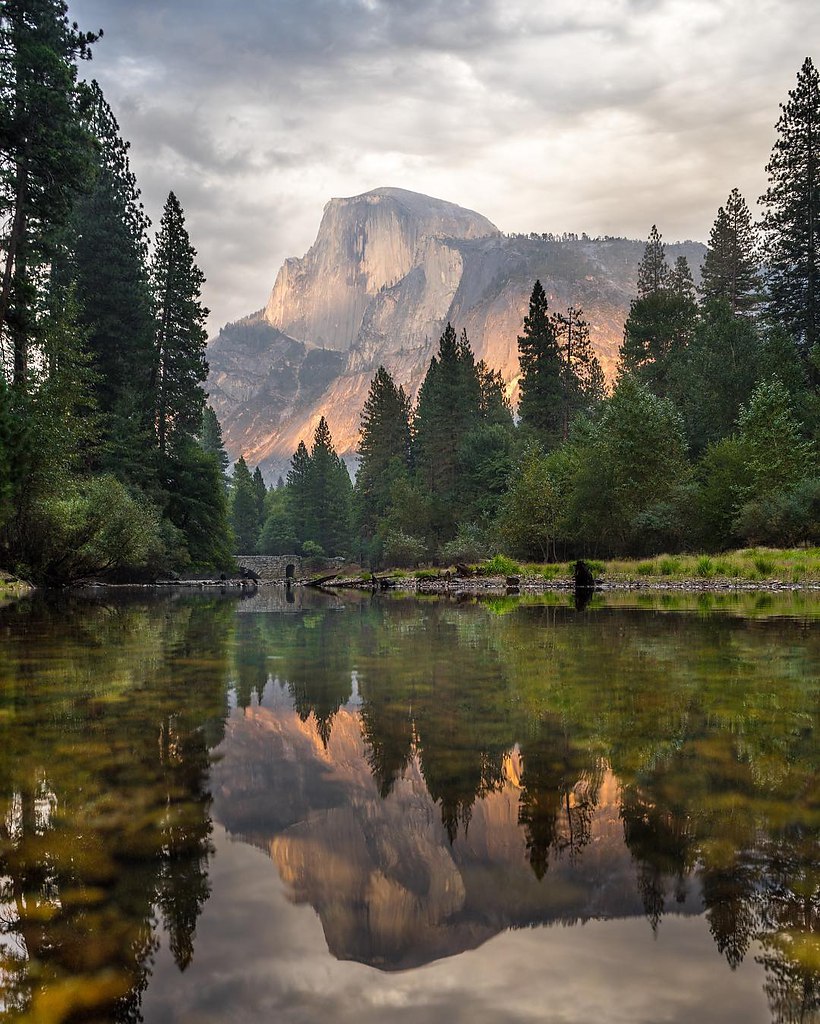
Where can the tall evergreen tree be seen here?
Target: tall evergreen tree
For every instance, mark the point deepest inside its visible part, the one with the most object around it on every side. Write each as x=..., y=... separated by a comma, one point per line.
x=244, y=515
x=110, y=266
x=260, y=491
x=449, y=405
x=653, y=270
x=791, y=221
x=730, y=267
x=661, y=319
x=680, y=280
x=210, y=440
x=298, y=493
x=384, y=449
x=582, y=379
x=540, y=404
x=45, y=158
x=330, y=493
x=179, y=360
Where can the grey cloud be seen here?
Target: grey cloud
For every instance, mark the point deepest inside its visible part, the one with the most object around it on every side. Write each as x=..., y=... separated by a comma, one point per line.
x=602, y=117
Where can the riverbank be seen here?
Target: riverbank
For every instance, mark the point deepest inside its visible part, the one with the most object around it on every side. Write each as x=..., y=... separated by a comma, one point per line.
x=11, y=587
x=745, y=570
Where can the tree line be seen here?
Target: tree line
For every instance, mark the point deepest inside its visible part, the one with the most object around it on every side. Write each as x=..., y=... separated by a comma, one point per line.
x=102, y=335
x=708, y=438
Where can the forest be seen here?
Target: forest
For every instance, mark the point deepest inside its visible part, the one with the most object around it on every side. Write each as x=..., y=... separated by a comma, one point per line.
x=112, y=464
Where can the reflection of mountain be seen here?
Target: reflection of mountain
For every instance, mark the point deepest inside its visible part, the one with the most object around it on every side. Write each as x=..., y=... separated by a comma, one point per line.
x=390, y=888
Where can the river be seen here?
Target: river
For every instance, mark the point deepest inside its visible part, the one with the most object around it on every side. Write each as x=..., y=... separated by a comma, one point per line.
x=346, y=808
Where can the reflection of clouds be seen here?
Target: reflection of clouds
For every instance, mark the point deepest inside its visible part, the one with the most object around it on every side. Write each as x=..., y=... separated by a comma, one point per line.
x=540, y=118
x=260, y=957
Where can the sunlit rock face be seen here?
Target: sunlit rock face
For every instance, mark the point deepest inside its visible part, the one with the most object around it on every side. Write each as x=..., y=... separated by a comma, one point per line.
x=387, y=271
x=391, y=887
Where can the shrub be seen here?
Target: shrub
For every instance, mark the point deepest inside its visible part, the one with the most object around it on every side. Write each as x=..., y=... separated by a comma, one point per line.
x=645, y=568
x=500, y=565
x=669, y=566
x=705, y=566
x=402, y=550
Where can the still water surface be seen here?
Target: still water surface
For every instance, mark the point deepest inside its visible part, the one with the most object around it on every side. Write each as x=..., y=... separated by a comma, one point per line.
x=362, y=809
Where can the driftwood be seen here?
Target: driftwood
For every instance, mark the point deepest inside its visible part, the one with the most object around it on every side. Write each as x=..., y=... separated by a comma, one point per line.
x=317, y=581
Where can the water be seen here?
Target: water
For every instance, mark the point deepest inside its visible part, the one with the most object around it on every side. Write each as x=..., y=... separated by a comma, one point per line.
x=356, y=809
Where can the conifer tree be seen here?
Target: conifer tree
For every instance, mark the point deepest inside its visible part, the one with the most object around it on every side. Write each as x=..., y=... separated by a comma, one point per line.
x=661, y=318
x=653, y=270
x=298, y=493
x=449, y=405
x=791, y=222
x=680, y=280
x=210, y=440
x=330, y=493
x=45, y=158
x=730, y=270
x=244, y=516
x=179, y=359
x=540, y=404
x=582, y=379
x=260, y=491
x=109, y=264
x=384, y=449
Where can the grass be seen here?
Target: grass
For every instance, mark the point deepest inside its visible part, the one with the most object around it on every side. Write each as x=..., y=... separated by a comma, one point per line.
x=791, y=566
x=752, y=565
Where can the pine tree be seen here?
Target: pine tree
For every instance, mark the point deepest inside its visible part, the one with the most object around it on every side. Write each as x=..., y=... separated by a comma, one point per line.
x=179, y=360
x=449, y=406
x=582, y=379
x=653, y=270
x=791, y=222
x=197, y=505
x=730, y=270
x=109, y=263
x=330, y=493
x=680, y=280
x=298, y=493
x=45, y=158
x=541, y=391
x=210, y=440
x=7, y=435
x=384, y=449
x=261, y=492
x=244, y=517
x=661, y=319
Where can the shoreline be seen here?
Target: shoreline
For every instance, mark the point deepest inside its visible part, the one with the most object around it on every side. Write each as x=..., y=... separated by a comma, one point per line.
x=498, y=586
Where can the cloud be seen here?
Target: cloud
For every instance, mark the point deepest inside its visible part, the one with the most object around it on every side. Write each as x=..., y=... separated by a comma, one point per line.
x=603, y=117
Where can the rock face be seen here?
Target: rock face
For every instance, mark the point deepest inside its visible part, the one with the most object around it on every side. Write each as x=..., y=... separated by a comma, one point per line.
x=387, y=271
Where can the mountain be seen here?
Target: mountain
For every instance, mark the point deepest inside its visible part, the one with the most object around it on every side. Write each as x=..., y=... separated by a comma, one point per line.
x=387, y=271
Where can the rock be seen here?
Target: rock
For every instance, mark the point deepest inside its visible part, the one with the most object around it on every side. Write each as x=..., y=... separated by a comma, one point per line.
x=388, y=269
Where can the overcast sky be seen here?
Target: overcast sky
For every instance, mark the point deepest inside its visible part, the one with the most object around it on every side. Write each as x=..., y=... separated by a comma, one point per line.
x=603, y=116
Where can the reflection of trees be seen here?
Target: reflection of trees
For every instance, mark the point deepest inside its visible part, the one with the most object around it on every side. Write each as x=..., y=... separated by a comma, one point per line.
x=790, y=924
x=559, y=795
x=103, y=791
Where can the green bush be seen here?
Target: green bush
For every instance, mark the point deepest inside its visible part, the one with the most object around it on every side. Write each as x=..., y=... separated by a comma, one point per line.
x=500, y=565
x=705, y=567
x=402, y=550
x=645, y=568
x=670, y=566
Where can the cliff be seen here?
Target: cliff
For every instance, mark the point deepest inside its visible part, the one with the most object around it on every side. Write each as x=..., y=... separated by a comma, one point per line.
x=387, y=271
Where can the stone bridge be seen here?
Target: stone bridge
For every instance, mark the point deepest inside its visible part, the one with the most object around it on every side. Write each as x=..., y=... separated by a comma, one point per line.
x=273, y=568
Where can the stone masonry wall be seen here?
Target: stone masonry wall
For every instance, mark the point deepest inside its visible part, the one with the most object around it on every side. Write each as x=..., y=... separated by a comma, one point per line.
x=272, y=568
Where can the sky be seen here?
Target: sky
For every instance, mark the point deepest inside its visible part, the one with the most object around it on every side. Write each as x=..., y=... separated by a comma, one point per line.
x=605, y=116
